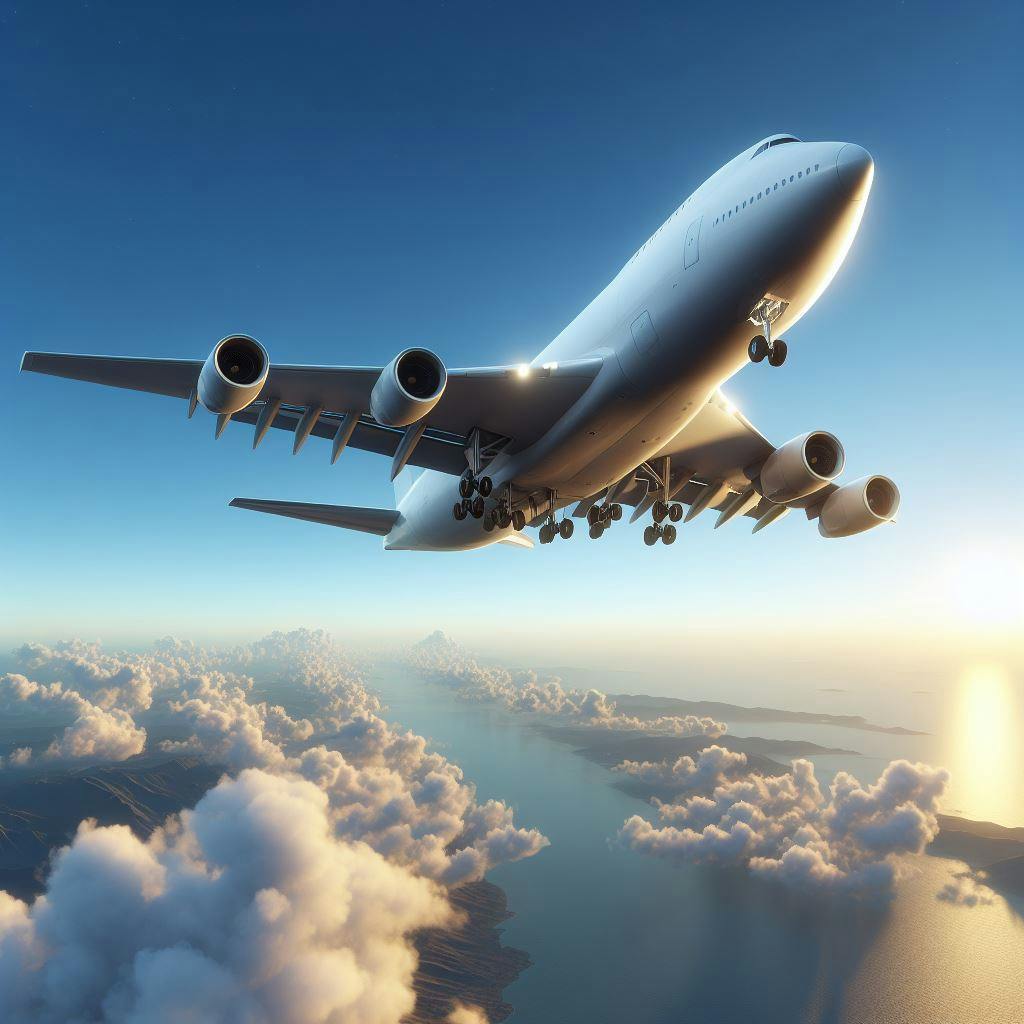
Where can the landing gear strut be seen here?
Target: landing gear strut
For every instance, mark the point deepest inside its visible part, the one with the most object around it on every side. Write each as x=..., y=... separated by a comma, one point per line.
x=765, y=313
x=553, y=527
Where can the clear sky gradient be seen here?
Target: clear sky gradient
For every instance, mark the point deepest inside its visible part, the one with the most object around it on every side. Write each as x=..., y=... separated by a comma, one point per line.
x=345, y=180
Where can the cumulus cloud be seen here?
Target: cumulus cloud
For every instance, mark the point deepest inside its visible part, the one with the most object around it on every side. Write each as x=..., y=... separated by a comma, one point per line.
x=440, y=658
x=966, y=889
x=247, y=908
x=463, y=1014
x=785, y=828
x=95, y=733
x=712, y=765
x=288, y=892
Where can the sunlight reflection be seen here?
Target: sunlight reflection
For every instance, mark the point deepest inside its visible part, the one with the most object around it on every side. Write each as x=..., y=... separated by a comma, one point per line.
x=988, y=744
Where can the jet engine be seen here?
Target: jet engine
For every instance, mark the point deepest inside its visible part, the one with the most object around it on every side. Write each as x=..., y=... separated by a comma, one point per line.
x=408, y=388
x=859, y=506
x=802, y=466
x=233, y=374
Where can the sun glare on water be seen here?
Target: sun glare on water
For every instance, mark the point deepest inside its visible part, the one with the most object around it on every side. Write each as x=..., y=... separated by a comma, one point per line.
x=988, y=722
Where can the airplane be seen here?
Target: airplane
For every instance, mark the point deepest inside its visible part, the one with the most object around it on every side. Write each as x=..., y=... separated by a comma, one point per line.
x=623, y=408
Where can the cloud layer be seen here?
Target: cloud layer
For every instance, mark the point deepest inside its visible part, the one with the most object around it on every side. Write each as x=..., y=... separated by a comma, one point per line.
x=289, y=892
x=785, y=828
x=441, y=659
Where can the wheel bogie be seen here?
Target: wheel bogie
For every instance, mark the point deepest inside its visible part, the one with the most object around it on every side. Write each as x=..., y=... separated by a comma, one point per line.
x=651, y=536
x=675, y=512
x=668, y=535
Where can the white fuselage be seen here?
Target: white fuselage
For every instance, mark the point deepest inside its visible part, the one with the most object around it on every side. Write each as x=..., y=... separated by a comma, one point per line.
x=673, y=325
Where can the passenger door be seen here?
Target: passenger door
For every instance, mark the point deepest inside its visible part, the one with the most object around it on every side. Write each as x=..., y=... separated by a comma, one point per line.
x=691, y=247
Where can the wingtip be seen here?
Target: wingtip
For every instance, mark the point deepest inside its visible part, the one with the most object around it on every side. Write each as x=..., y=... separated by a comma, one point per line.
x=26, y=361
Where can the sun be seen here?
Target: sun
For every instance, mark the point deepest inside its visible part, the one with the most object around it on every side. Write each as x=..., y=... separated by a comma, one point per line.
x=986, y=587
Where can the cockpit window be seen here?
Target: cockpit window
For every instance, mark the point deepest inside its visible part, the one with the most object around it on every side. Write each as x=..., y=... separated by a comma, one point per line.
x=774, y=142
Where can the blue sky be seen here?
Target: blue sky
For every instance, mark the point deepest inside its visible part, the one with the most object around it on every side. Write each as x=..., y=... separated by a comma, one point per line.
x=345, y=180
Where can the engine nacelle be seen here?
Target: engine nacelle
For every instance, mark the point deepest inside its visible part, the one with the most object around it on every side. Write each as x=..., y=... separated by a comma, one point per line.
x=408, y=388
x=802, y=466
x=233, y=374
x=859, y=506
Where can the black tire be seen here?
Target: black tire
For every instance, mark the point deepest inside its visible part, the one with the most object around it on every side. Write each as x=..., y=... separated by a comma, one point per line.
x=594, y=515
x=650, y=536
x=778, y=354
x=546, y=534
x=489, y=523
x=758, y=348
x=565, y=528
x=595, y=531
x=519, y=520
x=485, y=485
x=477, y=507
x=659, y=511
x=616, y=512
x=675, y=512
x=504, y=520
x=668, y=535
x=459, y=512
x=466, y=486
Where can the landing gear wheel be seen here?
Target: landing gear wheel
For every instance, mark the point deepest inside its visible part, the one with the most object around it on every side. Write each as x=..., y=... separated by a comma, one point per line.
x=675, y=512
x=651, y=536
x=459, y=512
x=668, y=535
x=485, y=485
x=504, y=520
x=546, y=534
x=616, y=512
x=659, y=511
x=777, y=356
x=596, y=530
x=519, y=520
x=466, y=486
x=565, y=528
x=477, y=508
x=758, y=348
x=489, y=522
x=594, y=515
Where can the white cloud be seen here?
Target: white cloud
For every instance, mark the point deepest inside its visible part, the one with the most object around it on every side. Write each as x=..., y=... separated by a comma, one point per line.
x=463, y=1014
x=95, y=733
x=712, y=766
x=785, y=828
x=247, y=908
x=966, y=889
x=440, y=658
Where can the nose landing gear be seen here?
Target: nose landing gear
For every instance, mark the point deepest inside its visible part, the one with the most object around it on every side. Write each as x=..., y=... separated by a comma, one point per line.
x=764, y=314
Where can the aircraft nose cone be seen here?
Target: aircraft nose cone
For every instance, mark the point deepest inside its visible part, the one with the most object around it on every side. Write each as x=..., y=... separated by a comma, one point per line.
x=856, y=170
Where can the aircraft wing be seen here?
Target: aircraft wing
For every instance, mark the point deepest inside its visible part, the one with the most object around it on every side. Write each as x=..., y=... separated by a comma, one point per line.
x=713, y=461
x=498, y=400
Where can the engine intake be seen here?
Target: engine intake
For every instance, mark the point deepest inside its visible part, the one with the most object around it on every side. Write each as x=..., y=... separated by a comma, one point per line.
x=802, y=466
x=233, y=374
x=859, y=506
x=408, y=388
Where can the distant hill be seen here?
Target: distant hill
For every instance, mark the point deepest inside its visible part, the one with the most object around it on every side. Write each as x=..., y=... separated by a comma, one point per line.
x=643, y=706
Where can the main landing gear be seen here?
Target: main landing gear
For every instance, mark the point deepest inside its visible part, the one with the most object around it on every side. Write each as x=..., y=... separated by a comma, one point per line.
x=655, y=532
x=600, y=517
x=552, y=529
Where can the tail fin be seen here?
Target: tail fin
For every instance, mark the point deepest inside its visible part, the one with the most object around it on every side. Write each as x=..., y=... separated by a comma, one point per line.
x=348, y=517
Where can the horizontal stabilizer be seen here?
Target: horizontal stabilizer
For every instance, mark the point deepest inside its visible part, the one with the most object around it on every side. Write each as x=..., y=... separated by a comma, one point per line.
x=349, y=517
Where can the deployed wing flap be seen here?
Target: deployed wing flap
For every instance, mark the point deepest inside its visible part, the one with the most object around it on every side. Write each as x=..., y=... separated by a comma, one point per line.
x=378, y=521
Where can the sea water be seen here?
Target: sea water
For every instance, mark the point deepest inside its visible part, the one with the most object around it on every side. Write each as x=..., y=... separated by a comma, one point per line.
x=620, y=937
